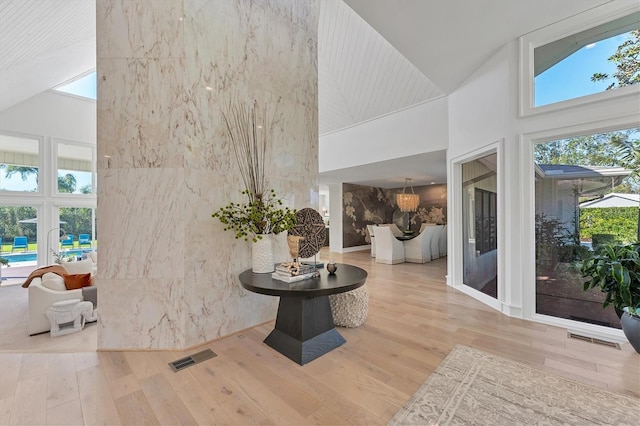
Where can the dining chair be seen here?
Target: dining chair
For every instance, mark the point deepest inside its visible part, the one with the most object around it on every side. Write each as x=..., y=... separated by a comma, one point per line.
x=443, y=241
x=389, y=249
x=372, y=239
x=435, y=241
x=418, y=249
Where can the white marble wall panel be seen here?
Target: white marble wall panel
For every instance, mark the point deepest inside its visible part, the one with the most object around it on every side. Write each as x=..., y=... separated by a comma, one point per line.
x=139, y=29
x=168, y=275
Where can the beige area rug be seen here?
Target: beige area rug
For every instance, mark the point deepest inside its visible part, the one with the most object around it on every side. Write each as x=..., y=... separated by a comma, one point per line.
x=14, y=337
x=474, y=387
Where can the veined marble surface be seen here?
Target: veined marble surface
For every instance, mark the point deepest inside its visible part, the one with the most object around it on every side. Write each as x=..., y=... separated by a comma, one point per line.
x=168, y=271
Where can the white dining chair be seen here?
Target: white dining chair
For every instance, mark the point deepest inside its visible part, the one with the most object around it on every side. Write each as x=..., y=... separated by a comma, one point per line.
x=418, y=249
x=435, y=241
x=389, y=249
x=372, y=239
x=443, y=241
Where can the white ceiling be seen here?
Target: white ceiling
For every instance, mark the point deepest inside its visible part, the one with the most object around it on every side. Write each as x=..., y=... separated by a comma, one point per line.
x=439, y=43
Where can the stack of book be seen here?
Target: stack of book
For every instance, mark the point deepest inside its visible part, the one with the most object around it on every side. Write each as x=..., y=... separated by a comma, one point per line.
x=284, y=273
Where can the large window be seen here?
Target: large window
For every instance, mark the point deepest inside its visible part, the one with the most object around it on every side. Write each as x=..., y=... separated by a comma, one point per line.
x=586, y=195
x=19, y=163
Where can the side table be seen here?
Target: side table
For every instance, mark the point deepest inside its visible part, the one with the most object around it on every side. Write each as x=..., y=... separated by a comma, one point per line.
x=68, y=316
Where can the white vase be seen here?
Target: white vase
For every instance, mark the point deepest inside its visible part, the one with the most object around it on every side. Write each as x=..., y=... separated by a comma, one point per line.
x=262, y=255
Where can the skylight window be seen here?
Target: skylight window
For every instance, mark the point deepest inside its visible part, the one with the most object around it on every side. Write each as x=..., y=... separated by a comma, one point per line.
x=85, y=86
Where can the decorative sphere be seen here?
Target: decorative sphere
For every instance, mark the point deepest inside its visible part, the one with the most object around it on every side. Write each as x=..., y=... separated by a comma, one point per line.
x=332, y=267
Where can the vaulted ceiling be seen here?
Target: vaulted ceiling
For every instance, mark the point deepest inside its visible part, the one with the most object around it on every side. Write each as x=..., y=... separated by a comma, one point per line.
x=419, y=50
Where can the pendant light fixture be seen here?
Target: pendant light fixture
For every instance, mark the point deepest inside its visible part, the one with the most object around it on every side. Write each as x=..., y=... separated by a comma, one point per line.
x=407, y=202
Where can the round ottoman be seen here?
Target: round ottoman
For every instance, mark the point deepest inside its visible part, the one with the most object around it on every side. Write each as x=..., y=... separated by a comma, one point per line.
x=350, y=309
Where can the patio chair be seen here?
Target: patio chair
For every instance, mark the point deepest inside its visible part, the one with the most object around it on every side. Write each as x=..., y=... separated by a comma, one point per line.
x=84, y=239
x=67, y=241
x=20, y=243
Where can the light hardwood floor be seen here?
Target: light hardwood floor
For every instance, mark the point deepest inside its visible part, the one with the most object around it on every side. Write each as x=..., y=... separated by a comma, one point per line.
x=414, y=321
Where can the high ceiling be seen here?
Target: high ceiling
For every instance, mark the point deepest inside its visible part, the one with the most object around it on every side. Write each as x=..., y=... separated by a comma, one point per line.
x=419, y=50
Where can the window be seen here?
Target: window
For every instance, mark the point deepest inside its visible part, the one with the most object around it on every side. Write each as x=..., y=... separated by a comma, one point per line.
x=486, y=204
x=85, y=86
x=19, y=163
x=591, y=61
x=590, y=57
x=75, y=169
x=585, y=195
x=480, y=225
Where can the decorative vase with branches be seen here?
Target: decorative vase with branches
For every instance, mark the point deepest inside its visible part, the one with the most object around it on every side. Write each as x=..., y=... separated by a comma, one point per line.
x=248, y=128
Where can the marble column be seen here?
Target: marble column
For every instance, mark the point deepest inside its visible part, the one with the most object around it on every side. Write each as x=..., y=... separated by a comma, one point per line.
x=167, y=275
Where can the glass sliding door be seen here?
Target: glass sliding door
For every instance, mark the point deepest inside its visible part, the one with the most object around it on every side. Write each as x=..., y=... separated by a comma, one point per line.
x=480, y=224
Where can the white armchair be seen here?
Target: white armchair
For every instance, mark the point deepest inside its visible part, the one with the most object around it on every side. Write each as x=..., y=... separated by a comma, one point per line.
x=388, y=249
x=45, y=291
x=418, y=249
x=372, y=239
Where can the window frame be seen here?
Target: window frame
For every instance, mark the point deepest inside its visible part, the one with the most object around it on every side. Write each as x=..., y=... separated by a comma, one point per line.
x=528, y=43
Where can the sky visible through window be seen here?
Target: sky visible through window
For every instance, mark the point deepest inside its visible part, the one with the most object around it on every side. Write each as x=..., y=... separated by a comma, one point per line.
x=85, y=86
x=571, y=78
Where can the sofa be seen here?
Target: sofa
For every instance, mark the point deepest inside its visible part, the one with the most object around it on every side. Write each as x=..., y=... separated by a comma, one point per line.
x=50, y=288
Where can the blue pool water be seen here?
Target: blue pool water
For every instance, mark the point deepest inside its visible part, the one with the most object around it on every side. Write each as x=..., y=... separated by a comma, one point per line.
x=26, y=257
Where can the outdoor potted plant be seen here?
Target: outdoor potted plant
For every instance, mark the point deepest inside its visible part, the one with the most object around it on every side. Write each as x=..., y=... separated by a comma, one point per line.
x=615, y=270
x=263, y=214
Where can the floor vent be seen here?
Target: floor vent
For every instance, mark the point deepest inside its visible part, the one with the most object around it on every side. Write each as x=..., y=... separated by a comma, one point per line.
x=594, y=340
x=190, y=360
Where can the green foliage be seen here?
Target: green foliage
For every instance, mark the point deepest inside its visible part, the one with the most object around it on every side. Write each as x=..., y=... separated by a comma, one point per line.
x=627, y=64
x=11, y=227
x=4, y=261
x=620, y=222
x=78, y=220
x=261, y=215
x=615, y=270
x=67, y=183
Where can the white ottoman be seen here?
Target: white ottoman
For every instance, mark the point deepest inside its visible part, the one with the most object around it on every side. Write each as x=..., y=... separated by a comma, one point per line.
x=68, y=316
x=350, y=309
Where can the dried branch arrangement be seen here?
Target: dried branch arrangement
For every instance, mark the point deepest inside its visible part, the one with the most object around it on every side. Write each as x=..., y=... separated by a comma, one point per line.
x=248, y=136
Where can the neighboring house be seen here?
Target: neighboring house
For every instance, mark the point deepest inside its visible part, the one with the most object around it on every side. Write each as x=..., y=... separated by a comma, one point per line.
x=613, y=200
x=559, y=186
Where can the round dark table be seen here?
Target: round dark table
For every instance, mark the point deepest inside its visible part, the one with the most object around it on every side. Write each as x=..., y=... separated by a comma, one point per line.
x=304, y=327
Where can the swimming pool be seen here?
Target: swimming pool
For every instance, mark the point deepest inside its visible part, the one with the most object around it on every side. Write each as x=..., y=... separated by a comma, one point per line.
x=32, y=257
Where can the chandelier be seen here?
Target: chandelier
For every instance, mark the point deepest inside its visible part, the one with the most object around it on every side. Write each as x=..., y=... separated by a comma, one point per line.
x=407, y=202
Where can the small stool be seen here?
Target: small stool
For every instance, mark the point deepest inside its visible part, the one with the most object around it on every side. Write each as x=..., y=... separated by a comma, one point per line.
x=350, y=309
x=68, y=316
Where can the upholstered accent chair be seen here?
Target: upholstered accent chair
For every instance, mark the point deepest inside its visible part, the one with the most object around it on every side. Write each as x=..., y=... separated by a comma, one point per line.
x=418, y=249
x=389, y=249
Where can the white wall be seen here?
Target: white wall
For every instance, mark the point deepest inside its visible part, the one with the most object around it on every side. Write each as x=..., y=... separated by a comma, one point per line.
x=53, y=114
x=483, y=113
x=415, y=130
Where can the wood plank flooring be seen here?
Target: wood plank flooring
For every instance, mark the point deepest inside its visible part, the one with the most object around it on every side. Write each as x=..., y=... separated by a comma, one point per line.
x=414, y=321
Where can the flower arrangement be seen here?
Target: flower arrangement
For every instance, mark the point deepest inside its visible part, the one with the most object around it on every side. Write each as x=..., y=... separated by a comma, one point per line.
x=263, y=213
